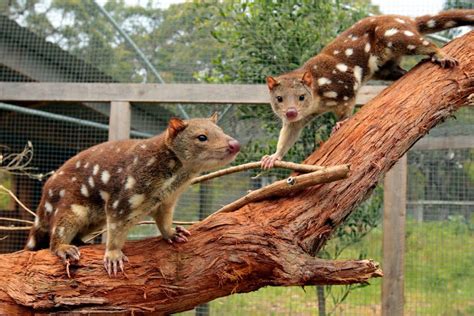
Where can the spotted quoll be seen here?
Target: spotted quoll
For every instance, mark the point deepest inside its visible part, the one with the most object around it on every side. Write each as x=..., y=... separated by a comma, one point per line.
x=117, y=183
x=329, y=81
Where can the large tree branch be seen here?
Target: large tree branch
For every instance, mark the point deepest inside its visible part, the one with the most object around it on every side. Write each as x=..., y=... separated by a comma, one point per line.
x=263, y=243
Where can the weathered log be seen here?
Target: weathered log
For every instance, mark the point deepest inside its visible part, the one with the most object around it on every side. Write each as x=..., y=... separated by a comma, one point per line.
x=266, y=243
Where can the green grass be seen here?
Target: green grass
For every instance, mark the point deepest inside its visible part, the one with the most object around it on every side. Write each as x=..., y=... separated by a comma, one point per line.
x=439, y=278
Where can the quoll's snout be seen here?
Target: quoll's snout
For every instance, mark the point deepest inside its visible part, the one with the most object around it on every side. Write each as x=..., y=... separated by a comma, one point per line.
x=291, y=113
x=234, y=146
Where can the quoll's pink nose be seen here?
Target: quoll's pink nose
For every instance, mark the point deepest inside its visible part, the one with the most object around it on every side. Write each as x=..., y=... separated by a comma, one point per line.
x=234, y=146
x=291, y=113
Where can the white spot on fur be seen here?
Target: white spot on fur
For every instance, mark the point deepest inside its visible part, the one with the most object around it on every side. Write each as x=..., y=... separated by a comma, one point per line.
x=31, y=243
x=80, y=211
x=61, y=172
x=354, y=38
x=130, y=182
x=171, y=163
x=400, y=20
x=151, y=161
x=78, y=164
x=142, y=146
x=105, y=176
x=331, y=103
x=135, y=160
x=389, y=44
x=336, y=52
x=408, y=33
x=358, y=73
x=48, y=207
x=119, y=170
x=104, y=195
x=411, y=47
x=349, y=51
x=373, y=64
x=117, y=150
x=449, y=24
x=426, y=43
x=115, y=204
x=334, y=72
x=84, y=191
x=168, y=182
x=431, y=23
x=95, y=170
x=61, y=231
x=330, y=94
x=346, y=98
x=62, y=193
x=73, y=179
x=86, y=165
x=342, y=67
x=91, y=182
x=323, y=80
x=50, y=193
x=136, y=200
x=367, y=47
x=391, y=32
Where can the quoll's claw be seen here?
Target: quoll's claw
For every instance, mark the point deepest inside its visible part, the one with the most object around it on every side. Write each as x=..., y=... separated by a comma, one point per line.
x=114, y=260
x=268, y=162
x=68, y=253
x=181, y=234
x=445, y=62
x=338, y=126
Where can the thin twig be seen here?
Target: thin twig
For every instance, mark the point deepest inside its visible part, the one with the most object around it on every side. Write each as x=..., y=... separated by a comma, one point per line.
x=17, y=200
x=290, y=185
x=256, y=165
x=15, y=228
x=15, y=220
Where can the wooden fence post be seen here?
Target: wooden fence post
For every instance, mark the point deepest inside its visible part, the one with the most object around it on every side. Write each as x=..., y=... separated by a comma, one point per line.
x=119, y=120
x=395, y=187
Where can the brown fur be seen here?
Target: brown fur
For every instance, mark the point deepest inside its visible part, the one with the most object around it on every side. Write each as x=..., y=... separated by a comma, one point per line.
x=117, y=183
x=329, y=81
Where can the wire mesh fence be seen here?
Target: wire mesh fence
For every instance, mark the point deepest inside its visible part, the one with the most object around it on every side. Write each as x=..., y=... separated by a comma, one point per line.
x=62, y=41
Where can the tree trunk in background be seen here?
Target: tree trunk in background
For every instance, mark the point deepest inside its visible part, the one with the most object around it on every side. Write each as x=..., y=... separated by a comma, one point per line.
x=271, y=242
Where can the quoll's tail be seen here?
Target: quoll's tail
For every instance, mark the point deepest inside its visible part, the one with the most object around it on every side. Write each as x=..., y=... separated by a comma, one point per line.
x=444, y=20
x=38, y=238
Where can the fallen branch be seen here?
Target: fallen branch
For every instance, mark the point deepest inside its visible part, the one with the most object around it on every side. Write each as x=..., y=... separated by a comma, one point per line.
x=289, y=186
x=301, y=168
x=265, y=243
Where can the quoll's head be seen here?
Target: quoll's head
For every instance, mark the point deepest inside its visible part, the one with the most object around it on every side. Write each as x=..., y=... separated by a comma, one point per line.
x=291, y=97
x=201, y=144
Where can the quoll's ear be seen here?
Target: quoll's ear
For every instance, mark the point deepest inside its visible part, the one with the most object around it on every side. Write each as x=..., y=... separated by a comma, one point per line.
x=214, y=117
x=307, y=78
x=175, y=126
x=271, y=82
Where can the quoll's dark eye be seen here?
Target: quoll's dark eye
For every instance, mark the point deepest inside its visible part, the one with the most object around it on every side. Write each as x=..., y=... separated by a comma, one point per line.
x=202, y=138
x=279, y=99
x=302, y=97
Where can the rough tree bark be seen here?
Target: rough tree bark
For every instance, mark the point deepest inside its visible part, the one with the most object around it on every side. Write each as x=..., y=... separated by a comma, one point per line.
x=271, y=242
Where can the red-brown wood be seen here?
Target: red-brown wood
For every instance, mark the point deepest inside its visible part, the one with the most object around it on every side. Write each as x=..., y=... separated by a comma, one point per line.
x=266, y=243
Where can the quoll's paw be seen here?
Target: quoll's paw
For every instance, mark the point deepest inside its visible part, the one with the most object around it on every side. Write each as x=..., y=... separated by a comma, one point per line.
x=338, y=126
x=445, y=61
x=269, y=161
x=68, y=253
x=114, y=259
x=181, y=234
